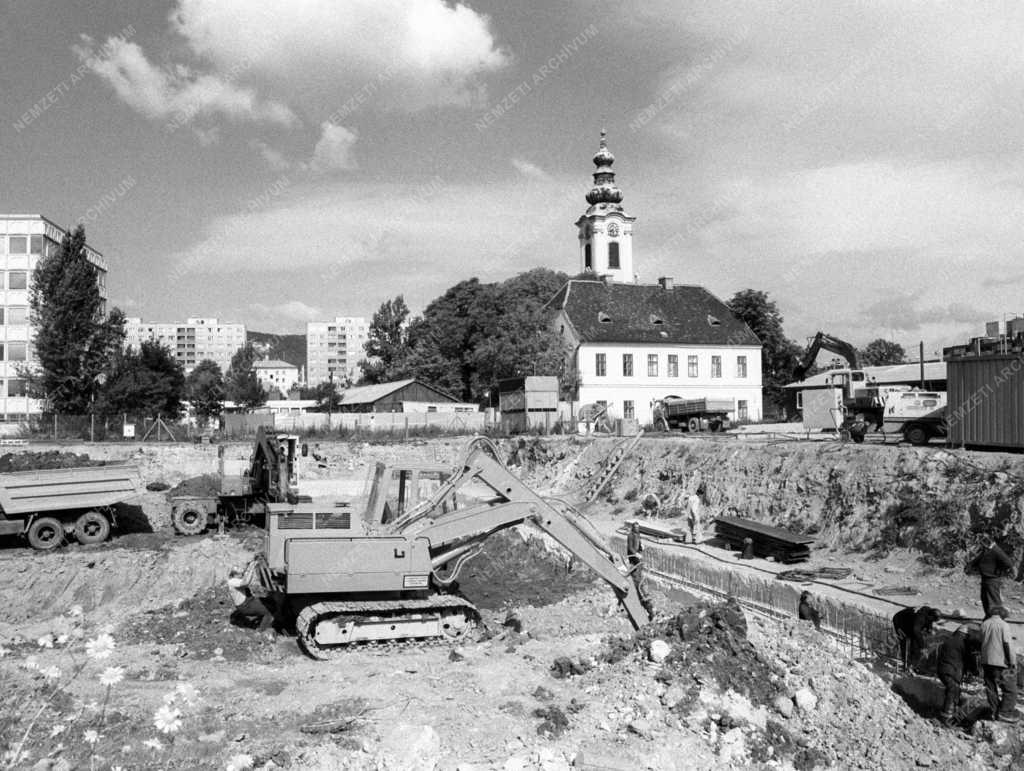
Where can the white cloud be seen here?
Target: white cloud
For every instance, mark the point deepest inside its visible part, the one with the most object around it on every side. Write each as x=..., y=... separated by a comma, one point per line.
x=530, y=170
x=178, y=93
x=334, y=150
x=413, y=53
x=293, y=310
x=275, y=159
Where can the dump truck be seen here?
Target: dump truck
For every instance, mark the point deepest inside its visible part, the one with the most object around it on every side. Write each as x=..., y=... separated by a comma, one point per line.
x=271, y=477
x=703, y=414
x=389, y=573
x=47, y=505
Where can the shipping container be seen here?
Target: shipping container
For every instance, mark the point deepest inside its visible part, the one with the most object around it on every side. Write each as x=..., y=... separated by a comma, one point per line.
x=986, y=400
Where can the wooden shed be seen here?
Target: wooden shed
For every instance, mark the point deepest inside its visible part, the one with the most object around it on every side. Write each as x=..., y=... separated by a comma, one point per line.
x=400, y=396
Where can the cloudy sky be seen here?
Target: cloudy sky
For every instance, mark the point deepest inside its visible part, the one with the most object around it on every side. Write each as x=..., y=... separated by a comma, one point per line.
x=862, y=163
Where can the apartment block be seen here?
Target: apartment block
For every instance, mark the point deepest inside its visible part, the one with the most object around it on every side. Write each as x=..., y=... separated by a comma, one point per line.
x=335, y=348
x=191, y=341
x=24, y=238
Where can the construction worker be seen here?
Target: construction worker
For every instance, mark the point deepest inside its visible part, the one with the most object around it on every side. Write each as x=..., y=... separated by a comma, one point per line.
x=807, y=611
x=992, y=564
x=695, y=516
x=999, y=665
x=955, y=660
x=634, y=546
x=250, y=610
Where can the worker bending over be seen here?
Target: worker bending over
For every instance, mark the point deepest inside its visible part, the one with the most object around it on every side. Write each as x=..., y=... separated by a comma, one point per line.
x=956, y=659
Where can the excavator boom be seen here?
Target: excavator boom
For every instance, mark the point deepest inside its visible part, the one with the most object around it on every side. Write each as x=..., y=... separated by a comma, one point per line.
x=825, y=342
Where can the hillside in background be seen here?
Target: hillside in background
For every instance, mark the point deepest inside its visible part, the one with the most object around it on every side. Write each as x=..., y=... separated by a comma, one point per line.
x=289, y=348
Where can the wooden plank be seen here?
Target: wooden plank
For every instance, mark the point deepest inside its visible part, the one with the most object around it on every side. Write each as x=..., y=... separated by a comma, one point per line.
x=762, y=529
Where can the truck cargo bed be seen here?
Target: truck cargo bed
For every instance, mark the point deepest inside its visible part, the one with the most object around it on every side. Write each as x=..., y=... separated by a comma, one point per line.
x=29, y=492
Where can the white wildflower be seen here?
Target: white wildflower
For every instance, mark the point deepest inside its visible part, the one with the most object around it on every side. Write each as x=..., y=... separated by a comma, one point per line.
x=62, y=639
x=239, y=762
x=100, y=648
x=46, y=641
x=112, y=676
x=50, y=673
x=91, y=736
x=31, y=663
x=117, y=768
x=75, y=611
x=167, y=719
x=57, y=730
x=153, y=744
x=188, y=692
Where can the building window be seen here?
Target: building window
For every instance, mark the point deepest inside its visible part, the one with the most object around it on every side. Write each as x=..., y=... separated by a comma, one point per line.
x=16, y=315
x=652, y=365
x=37, y=245
x=17, y=386
x=613, y=255
x=19, y=244
x=741, y=409
x=588, y=260
x=628, y=411
x=17, y=279
x=741, y=366
x=600, y=365
x=673, y=365
x=15, y=351
x=691, y=366
x=627, y=365
x=716, y=366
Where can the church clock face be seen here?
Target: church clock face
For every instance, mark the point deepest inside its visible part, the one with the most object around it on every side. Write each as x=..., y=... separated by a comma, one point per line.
x=613, y=230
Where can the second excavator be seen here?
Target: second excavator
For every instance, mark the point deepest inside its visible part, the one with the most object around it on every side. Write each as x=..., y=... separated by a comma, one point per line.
x=388, y=574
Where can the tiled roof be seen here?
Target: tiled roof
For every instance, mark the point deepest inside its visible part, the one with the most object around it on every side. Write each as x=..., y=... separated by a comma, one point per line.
x=273, y=364
x=371, y=393
x=642, y=313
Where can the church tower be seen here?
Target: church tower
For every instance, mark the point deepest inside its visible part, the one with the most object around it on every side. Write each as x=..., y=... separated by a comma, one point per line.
x=605, y=230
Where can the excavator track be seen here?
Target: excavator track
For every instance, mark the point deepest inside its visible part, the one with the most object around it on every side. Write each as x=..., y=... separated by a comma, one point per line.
x=330, y=629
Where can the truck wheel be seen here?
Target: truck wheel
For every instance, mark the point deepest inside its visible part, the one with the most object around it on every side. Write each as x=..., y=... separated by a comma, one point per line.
x=693, y=425
x=46, y=533
x=92, y=527
x=917, y=435
x=189, y=521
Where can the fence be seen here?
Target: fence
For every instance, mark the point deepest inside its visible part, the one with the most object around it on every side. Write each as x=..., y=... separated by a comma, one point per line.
x=100, y=428
x=391, y=423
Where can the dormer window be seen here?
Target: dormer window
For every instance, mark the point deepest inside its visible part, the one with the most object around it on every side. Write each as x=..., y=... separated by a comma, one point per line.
x=713, y=322
x=604, y=318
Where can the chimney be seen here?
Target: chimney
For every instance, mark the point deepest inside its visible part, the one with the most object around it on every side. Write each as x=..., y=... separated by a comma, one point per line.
x=665, y=282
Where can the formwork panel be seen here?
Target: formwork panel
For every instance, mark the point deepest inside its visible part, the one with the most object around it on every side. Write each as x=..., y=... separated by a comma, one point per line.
x=986, y=401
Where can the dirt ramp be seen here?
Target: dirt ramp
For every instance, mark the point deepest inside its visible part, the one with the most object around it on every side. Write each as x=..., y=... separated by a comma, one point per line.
x=114, y=582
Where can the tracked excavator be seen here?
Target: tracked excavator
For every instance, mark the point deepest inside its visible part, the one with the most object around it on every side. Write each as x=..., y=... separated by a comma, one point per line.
x=389, y=575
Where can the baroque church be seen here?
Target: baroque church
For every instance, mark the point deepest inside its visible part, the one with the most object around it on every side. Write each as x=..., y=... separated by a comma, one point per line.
x=632, y=344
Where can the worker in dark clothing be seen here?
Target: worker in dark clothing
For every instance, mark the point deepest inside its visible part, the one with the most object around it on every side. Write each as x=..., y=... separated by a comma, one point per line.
x=634, y=546
x=956, y=659
x=807, y=611
x=911, y=625
x=250, y=610
x=992, y=564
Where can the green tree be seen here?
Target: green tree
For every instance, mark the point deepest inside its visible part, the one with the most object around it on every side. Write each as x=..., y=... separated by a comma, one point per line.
x=387, y=342
x=204, y=389
x=882, y=351
x=779, y=354
x=148, y=382
x=75, y=342
x=241, y=384
x=327, y=395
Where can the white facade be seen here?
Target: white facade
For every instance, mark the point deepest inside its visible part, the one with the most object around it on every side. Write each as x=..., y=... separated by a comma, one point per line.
x=190, y=341
x=24, y=238
x=335, y=347
x=275, y=375
x=689, y=372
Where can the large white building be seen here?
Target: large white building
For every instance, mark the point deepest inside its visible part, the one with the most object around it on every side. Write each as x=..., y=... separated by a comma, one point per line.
x=191, y=341
x=24, y=238
x=335, y=348
x=632, y=344
x=276, y=376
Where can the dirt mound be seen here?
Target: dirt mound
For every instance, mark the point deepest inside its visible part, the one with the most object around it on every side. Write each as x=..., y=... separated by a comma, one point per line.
x=33, y=461
x=204, y=485
x=200, y=626
x=511, y=570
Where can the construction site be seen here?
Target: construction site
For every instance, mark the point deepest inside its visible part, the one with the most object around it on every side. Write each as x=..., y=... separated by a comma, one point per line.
x=527, y=645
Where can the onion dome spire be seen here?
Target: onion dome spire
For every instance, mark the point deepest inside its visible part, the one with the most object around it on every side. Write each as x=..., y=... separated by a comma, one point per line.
x=604, y=190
